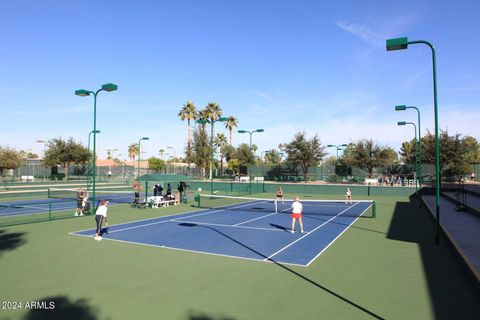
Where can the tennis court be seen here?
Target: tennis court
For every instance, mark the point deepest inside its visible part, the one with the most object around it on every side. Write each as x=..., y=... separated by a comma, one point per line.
x=248, y=229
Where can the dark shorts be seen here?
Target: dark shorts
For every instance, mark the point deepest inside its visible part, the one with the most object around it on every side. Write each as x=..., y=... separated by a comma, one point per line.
x=79, y=204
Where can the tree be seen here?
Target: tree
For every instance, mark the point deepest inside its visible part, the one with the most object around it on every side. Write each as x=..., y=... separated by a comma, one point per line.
x=201, y=151
x=9, y=159
x=220, y=142
x=65, y=153
x=211, y=112
x=367, y=154
x=189, y=113
x=156, y=164
x=456, y=153
x=273, y=157
x=303, y=152
x=231, y=123
x=243, y=155
x=133, y=151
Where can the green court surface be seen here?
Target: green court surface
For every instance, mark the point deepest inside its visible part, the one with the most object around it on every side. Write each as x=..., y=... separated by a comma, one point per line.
x=383, y=268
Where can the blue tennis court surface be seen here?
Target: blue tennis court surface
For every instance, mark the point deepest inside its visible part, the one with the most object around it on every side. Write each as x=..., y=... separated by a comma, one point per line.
x=241, y=231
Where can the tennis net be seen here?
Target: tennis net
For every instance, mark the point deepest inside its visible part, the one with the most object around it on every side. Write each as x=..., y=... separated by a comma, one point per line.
x=266, y=205
x=120, y=194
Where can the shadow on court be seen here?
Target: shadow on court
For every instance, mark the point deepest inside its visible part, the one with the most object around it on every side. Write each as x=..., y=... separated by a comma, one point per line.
x=453, y=292
x=63, y=308
x=203, y=316
x=11, y=241
x=333, y=293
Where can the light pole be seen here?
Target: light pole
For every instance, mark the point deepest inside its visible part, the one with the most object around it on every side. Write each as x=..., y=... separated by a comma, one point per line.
x=173, y=160
x=44, y=146
x=338, y=147
x=251, y=154
x=211, y=121
x=400, y=44
x=139, y=154
x=403, y=123
x=88, y=162
x=109, y=87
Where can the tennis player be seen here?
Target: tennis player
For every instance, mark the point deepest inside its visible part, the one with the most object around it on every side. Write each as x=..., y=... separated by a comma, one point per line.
x=348, y=196
x=280, y=194
x=297, y=209
x=80, y=197
x=101, y=214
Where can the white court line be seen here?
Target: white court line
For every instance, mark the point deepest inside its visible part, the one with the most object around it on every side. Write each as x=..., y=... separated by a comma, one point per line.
x=361, y=214
x=308, y=233
x=169, y=220
x=194, y=251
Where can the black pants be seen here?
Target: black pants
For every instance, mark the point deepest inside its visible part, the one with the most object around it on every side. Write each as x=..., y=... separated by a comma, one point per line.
x=99, y=220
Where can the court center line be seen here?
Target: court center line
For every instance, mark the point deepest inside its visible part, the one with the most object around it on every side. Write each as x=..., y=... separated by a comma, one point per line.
x=308, y=233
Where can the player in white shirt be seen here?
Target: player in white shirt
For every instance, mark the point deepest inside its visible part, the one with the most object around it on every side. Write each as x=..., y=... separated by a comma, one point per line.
x=348, y=196
x=297, y=209
x=100, y=215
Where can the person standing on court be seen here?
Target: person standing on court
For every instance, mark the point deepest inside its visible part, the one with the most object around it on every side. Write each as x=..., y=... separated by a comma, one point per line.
x=348, y=196
x=80, y=197
x=297, y=209
x=100, y=216
x=280, y=194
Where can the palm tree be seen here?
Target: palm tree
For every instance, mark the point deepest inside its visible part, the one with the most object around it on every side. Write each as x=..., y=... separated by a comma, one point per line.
x=211, y=112
x=220, y=142
x=231, y=123
x=133, y=151
x=188, y=112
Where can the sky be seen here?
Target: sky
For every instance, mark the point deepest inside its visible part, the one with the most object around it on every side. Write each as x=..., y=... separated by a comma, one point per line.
x=285, y=66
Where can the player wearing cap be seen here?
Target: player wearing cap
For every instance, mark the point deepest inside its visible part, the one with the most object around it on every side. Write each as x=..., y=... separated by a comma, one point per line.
x=297, y=209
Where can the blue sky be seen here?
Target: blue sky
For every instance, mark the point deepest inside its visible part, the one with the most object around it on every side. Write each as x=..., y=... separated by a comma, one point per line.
x=284, y=66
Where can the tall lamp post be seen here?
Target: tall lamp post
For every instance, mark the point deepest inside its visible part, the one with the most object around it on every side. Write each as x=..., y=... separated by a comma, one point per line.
x=338, y=147
x=211, y=121
x=251, y=154
x=400, y=44
x=174, y=155
x=88, y=162
x=420, y=170
x=44, y=146
x=139, y=154
x=109, y=87
x=404, y=123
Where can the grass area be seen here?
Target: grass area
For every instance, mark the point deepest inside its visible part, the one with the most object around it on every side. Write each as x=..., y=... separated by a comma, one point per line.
x=388, y=267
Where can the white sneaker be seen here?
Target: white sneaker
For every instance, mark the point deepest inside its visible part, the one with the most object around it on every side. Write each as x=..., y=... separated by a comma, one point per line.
x=291, y=231
x=81, y=214
x=98, y=238
x=76, y=214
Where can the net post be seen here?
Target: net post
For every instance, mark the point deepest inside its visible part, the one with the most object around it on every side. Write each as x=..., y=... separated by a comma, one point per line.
x=374, y=210
x=49, y=210
x=48, y=192
x=146, y=191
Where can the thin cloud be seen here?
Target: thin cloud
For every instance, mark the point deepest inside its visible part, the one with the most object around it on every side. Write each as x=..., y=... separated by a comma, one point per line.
x=361, y=31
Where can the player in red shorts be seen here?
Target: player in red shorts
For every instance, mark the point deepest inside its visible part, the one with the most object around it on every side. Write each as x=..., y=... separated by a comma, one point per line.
x=280, y=195
x=297, y=214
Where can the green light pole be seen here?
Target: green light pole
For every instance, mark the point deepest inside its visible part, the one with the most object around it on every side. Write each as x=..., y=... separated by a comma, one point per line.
x=212, y=121
x=88, y=162
x=139, y=155
x=420, y=177
x=251, y=154
x=338, y=147
x=403, y=123
x=44, y=146
x=400, y=44
x=109, y=87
